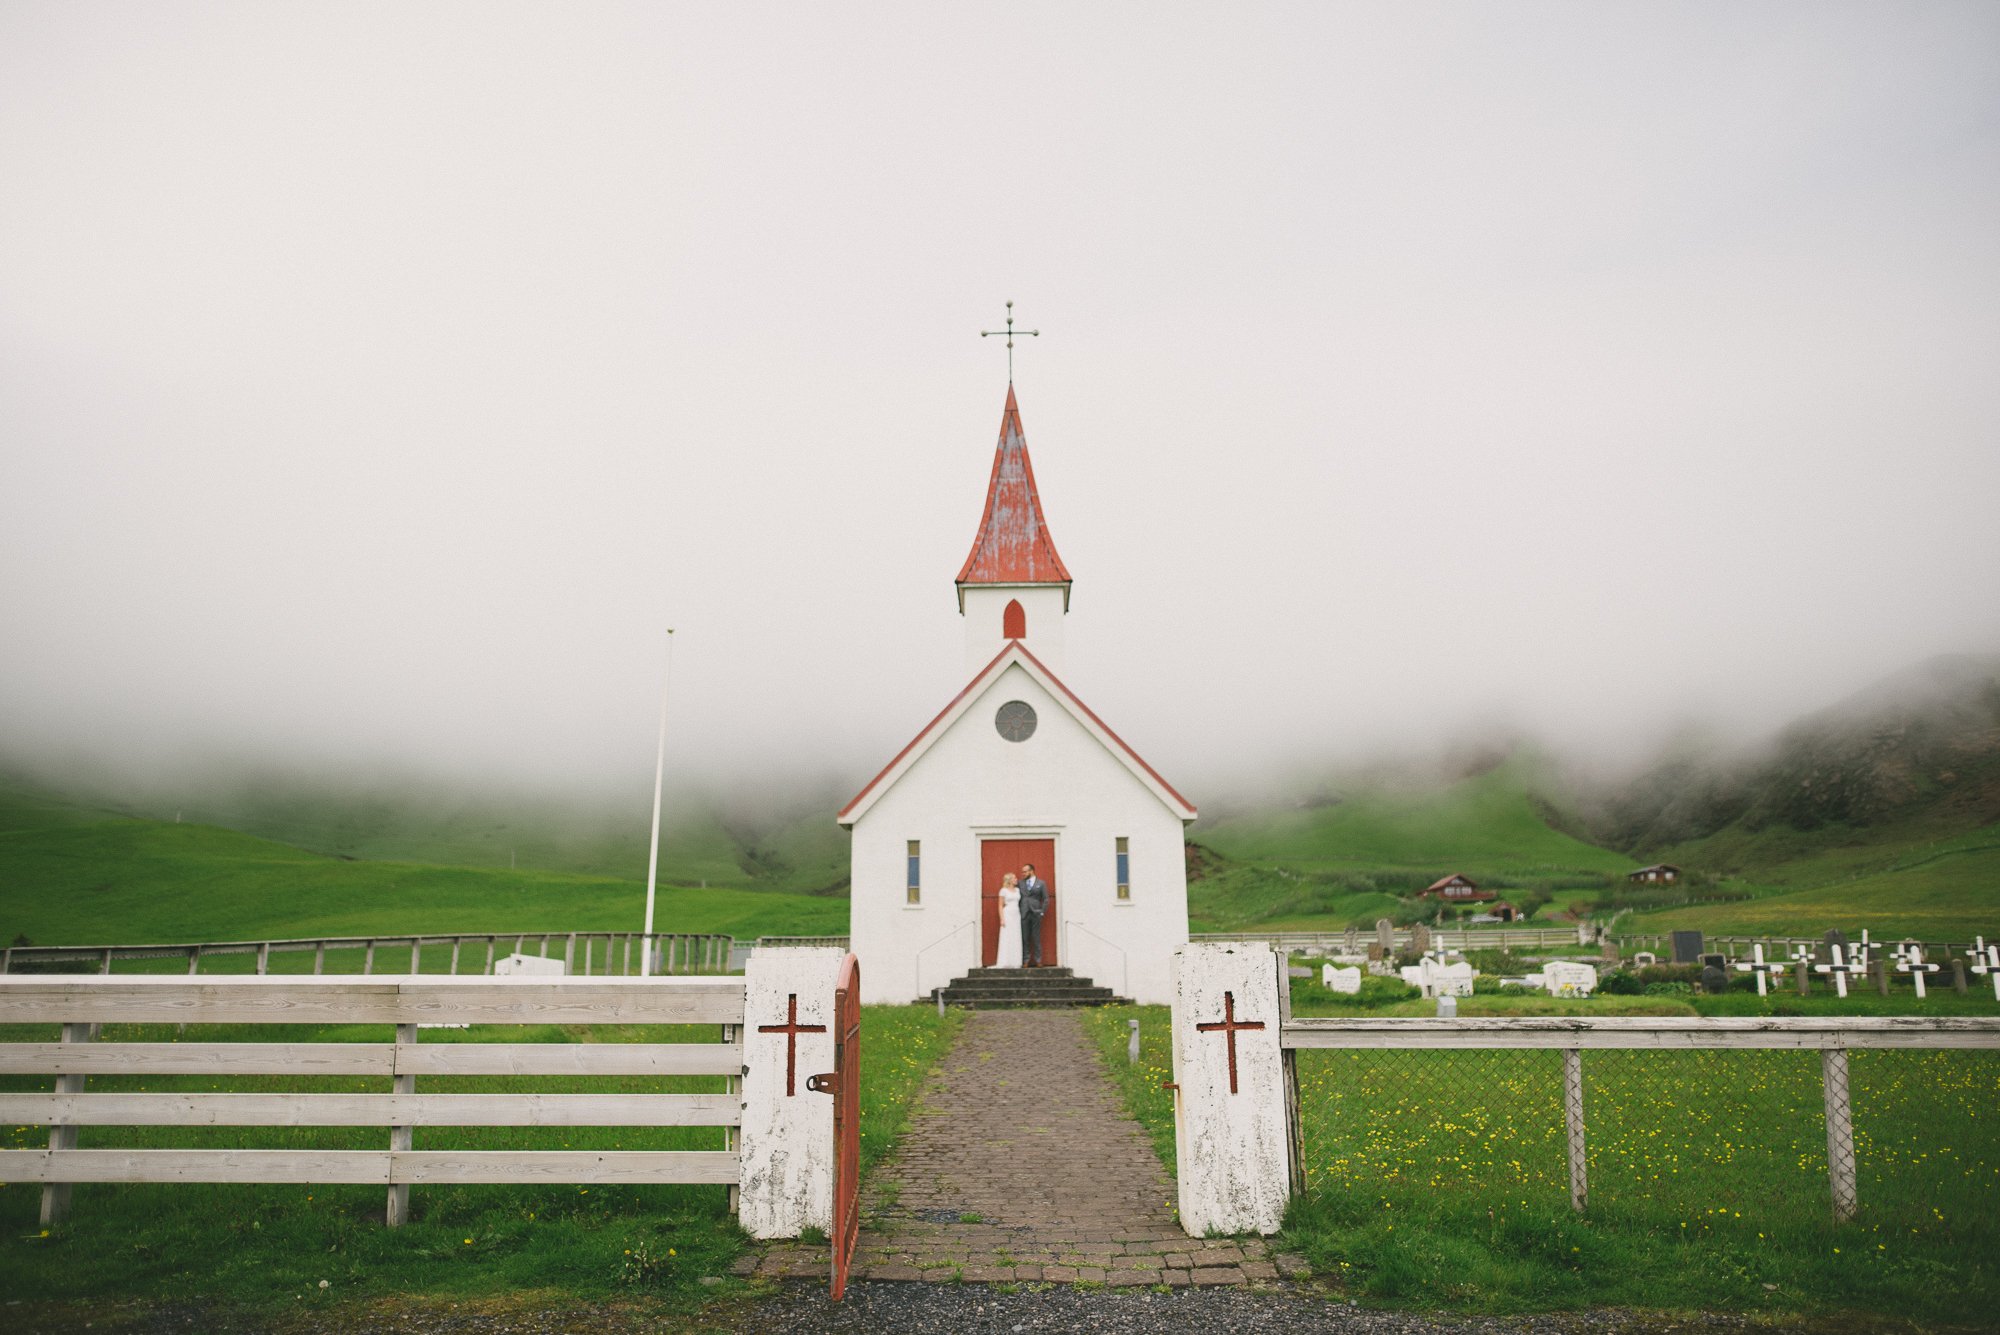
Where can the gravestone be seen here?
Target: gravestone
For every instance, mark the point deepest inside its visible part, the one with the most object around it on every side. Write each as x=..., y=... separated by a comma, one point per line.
x=1645, y=959
x=1420, y=937
x=1351, y=941
x=1385, y=935
x=1608, y=952
x=1687, y=947
x=1714, y=979
x=528, y=966
x=1345, y=981
x=1417, y=976
x=1375, y=952
x=1834, y=937
x=1449, y=980
x=1566, y=978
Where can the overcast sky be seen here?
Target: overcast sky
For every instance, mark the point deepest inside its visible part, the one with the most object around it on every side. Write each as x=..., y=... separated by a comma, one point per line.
x=377, y=382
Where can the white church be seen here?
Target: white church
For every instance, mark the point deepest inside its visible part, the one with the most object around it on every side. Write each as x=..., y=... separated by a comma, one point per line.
x=1016, y=769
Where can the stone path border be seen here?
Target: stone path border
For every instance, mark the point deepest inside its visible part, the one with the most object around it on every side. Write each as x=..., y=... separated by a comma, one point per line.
x=1021, y=1165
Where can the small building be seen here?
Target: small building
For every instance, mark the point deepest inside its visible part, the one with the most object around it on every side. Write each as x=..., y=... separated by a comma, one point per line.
x=1501, y=911
x=1657, y=874
x=1457, y=888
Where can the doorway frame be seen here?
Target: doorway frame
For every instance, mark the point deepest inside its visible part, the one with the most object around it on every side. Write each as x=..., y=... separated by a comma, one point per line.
x=982, y=833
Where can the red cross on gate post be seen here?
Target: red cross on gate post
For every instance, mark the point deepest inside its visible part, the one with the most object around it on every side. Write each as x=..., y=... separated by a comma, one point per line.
x=791, y=1029
x=1229, y=1024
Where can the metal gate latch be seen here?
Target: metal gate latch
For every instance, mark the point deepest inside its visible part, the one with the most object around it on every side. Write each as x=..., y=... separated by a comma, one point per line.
x=821, y=1084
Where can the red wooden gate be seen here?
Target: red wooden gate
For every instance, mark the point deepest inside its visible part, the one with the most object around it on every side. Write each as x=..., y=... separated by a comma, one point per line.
x=844, y=1083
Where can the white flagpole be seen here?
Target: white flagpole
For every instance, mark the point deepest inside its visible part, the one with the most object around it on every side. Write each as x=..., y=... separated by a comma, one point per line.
x=653, y=848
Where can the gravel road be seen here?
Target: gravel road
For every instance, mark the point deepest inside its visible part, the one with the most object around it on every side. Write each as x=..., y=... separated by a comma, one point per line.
x=801, y=1308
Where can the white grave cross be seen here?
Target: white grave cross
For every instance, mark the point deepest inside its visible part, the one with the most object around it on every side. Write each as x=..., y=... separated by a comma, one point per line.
x=1910, y=960
x=1986, y=963
x=1842, y=968
x=1760, y=967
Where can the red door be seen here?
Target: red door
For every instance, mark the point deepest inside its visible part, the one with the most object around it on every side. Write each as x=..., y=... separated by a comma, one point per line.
x=997, y=857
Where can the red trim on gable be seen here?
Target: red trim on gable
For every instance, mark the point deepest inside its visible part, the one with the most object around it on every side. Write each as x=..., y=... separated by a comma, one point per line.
x=1055, y=681
x=925, y=732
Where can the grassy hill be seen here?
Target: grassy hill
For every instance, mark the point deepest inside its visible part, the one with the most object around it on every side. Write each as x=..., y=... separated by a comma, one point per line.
x=1487, y=826
x=1882, y=811
x=69, y=878
x=1335, y=863
x=782, y=842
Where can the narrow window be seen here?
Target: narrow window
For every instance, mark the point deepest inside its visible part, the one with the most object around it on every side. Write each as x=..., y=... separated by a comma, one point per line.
x=1014, y=621
x=915, y=894
x=1124, y=869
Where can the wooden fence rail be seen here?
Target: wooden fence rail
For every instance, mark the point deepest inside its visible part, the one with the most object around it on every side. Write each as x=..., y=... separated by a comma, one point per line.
x=587, y=954
x=1355, y=940
x=80, y=1006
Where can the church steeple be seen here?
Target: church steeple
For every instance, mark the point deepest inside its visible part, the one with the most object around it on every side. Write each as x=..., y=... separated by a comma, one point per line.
x=1013, y=546
x=1013, y=585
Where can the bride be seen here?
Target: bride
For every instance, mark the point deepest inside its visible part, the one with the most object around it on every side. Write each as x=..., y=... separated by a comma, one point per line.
x=1009, y=954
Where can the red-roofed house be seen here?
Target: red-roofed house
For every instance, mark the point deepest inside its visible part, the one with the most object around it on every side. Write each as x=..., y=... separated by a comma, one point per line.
x=1016, y=769
x=1457, y=888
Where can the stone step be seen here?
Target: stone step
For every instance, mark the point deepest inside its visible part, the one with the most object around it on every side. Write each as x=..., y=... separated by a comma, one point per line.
x=1018, y=1002
x=995, y=990
x=997, y=986
x=1000, y=989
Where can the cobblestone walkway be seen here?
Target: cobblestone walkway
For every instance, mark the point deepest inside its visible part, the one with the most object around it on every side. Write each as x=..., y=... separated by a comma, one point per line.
x=1021, y=1164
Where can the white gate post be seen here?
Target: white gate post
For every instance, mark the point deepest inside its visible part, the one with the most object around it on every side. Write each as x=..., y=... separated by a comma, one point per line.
x=786, y=1139
x=1234, y=1147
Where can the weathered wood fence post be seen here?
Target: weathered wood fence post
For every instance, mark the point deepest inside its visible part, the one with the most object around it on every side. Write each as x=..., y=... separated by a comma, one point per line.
x=55, y=1195
x=1839, y=1133
x=786, y=1178
x=1231, y=1131
x=1579, y=1163
x=401, y=1137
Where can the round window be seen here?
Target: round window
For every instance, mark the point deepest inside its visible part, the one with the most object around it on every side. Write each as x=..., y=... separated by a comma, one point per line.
x=1016, y=720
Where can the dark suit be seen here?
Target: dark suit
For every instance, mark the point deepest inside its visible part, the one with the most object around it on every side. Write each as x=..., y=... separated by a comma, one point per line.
x=1034, y=903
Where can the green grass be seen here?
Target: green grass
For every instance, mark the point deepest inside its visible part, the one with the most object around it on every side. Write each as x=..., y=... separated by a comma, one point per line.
x=1930, y=892
x=790, y=845
x=1438, y=1179
x=114, y=882
x=266, y=1248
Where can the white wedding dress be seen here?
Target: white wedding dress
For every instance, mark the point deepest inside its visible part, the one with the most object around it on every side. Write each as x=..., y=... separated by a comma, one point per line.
x=1009, y=954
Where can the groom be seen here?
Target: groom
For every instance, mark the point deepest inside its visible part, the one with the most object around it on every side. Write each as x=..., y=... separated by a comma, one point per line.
x=1034, y=903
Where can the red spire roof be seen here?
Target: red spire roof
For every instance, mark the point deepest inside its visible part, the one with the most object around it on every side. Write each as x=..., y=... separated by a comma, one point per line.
x=1013, y=546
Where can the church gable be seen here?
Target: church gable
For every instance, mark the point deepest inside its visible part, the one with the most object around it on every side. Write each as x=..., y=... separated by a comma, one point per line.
x=1012, y=699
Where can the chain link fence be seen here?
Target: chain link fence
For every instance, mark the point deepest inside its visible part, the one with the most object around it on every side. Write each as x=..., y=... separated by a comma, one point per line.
x=1666, y=1138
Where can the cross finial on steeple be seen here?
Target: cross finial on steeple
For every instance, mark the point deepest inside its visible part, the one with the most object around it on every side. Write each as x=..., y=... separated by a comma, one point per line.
x=1010, y=331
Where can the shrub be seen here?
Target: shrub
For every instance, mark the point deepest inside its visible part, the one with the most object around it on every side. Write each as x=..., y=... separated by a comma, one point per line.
x=1619, y=983
x=1670, y=989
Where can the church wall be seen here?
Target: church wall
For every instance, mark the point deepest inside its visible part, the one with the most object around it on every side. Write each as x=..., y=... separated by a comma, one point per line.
x=986, y=605
x=1062, y=784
